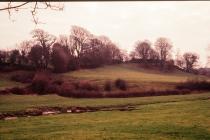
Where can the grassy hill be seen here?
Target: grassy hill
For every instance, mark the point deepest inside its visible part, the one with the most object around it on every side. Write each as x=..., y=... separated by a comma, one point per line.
x=136, y=76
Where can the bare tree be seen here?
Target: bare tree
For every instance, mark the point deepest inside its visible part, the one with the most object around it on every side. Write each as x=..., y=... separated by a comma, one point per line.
x=133, y=55
x=3, y=57
x=153, y=55
x=208, y=57
x=142, y=49
x=63, y=40
x=60, y=58
x=35, y=56
x=112, y=53
x=79, y=38
x=163, y=47
x=45, y=40
x=179, y=60
x=24, y=48
x=116, y=55
x=14, y=57
x=93, y=53
x=190, y=59
x=125, y=55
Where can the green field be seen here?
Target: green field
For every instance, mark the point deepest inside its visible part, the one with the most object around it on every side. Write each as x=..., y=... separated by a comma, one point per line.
x=21, y=102
x=184, y=117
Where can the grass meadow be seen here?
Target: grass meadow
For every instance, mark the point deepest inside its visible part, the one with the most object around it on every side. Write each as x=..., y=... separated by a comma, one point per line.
x=174, y=117
x=184, y=117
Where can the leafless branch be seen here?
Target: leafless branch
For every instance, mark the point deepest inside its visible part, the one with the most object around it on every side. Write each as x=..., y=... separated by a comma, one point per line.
x=33, y=12
x=35, y=7
x=13, y=7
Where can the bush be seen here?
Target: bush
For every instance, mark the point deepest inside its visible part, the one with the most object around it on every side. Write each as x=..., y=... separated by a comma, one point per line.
x=86, y=94
x=82, y=94
x=121, y=84
x=65, y=89
x=7, y=68
x=40, y=81
x=5, y=91
x=58, y=82
x=51, y=88
x=60, y=58
x=86, y=85
x=108, y=86
x=23, y=77
x=81, y=89
x=195, y=84
x=122, y=94
x=18, y=90
x=54, y=86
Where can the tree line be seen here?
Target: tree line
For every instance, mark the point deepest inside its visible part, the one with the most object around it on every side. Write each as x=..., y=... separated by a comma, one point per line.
x=161, y=55
x=82, y=49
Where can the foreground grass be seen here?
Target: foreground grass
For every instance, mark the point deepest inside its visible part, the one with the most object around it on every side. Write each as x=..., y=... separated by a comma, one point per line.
x=188, y=118
x=21, y=102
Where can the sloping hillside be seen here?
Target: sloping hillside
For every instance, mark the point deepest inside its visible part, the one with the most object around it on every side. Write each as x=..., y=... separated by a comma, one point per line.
x=135, y=75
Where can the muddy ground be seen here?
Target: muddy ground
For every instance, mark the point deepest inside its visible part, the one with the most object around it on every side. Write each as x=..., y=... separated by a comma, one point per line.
x=38, y=111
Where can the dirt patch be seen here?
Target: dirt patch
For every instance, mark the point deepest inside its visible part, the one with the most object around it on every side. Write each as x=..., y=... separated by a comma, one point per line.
x=58, y=110
x=39, y=111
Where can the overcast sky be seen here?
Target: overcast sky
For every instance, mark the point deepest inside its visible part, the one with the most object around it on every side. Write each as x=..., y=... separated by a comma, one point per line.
x=186, y=24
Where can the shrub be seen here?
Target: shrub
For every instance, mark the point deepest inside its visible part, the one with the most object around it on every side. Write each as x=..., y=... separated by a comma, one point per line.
x=65, y=89
x=107, y=86
x=18, y=90
x=60, y=58
x=51, y=88
x=58, y=82
x=86, y=85
x=122, y=94
x=86, y=94
x=121, y=84
x=7, y=68
x=195, y=84
x=4, y=91
x=40, y=81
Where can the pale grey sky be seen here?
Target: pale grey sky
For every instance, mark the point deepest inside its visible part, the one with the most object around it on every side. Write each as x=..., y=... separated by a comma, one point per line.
x=186, y=24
